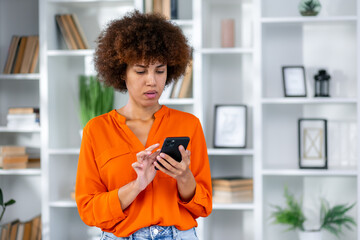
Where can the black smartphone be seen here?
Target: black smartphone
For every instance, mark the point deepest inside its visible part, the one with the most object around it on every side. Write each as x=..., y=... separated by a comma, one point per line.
x=171, y=147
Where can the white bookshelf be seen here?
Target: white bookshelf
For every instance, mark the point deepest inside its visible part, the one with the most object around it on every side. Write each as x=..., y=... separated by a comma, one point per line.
x=286, y=38
x=19, y=90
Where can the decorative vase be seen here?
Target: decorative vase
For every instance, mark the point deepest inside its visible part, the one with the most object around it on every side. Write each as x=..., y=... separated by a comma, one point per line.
x=309, y=7
x=310, y=235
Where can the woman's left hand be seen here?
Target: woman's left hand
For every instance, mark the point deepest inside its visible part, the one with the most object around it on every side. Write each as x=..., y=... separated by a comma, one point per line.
x=180, y=171
x=173, y=168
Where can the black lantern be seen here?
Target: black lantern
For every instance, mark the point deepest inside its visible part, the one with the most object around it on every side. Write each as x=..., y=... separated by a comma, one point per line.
x=322, y=84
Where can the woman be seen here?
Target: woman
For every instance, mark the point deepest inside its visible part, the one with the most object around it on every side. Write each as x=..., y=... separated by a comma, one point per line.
x=118, y=188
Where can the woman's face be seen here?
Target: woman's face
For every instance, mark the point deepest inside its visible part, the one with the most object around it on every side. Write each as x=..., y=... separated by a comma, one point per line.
x=145, y=83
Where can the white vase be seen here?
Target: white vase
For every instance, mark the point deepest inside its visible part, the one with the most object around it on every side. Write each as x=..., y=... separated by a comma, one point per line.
x=310, y=235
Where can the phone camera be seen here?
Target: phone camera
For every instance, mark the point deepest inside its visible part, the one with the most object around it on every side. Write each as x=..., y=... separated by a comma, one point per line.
x=172, y=143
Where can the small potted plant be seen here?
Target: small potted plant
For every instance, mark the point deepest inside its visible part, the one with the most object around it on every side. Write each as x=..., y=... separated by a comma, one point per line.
x=95, y=98
x=4, y=204
x=332, y=219
x=309, y=7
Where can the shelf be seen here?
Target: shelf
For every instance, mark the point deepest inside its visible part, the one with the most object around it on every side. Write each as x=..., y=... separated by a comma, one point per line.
x=70, y=53
x=75, y=3
x=183, y=23
x=229, y=151
x=309, y=100
x=24, y=172
x=177, y=101
x=30, y=130
x=233, y=206
x=309, y=172
x=63, y=204
x=65, y=151
x=314, y=19
x=31, y=76
x=226, y=50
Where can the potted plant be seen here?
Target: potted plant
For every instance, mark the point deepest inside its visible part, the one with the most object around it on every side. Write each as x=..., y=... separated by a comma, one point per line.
x=95, y=98
x=309, y=7
x=4, y=204
x=332, y=219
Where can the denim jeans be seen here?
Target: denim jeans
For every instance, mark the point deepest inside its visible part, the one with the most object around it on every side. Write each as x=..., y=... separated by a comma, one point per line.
x=155, y=233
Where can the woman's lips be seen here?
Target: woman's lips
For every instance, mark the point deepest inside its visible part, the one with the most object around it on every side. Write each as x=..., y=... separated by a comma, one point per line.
x=151, y=94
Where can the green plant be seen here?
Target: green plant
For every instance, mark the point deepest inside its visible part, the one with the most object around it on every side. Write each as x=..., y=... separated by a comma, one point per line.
x=95, y=98
x=290, y=215
x=332, y=219
x=309, y=7
x=4, y=204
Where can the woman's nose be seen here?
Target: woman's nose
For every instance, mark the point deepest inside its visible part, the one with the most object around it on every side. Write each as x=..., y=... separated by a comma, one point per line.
x=150, y=80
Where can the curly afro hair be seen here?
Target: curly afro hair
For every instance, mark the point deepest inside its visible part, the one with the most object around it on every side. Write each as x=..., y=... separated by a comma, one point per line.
x=138, y=37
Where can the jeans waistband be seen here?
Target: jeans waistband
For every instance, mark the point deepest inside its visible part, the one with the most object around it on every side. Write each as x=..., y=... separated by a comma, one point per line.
x=155, y=231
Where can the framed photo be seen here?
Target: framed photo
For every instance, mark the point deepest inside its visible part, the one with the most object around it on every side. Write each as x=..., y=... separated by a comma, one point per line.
x=312, y=143
x=230, y=126
x=294, y=81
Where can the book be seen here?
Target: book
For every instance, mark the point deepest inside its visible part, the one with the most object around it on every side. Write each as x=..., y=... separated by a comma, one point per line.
x=14, y=229
x=33, y=163
x=67, y=28
x=23, y=121
x=157, y=6
x=28, y=54
x=80, y=31
x=166, y=8
x=174, y=9
x=233, y=188
x=35, y=227
x=23, y=110
x=13, y=161
x=74, y=31
x=185, y=89
x=20, y=55
x=27, y=230
x=35, y=58
x=6, y=150
x=176, y=88
x=232, y=181
x=148, y=6
x=64, y=32
x=14, y=44
x=227, y=33
x=20, y=231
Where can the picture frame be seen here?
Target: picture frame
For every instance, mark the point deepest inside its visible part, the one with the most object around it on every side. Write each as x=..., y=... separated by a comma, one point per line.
x=312, y=143
x=230, y=126
x=294, y=81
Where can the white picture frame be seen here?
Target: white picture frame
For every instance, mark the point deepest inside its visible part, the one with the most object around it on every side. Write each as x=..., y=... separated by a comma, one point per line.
x=230, y=126
x=294, y=81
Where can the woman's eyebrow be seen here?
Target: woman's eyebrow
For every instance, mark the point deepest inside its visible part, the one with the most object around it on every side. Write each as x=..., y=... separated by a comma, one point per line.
x=161, y=65
x=139, y=65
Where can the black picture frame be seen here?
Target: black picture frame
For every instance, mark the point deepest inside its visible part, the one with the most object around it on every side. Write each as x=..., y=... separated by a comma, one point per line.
x=230, y=126
x=312, y=143
x=294, y=81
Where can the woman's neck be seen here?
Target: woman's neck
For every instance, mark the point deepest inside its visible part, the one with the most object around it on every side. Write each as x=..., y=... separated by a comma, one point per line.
x=134, y=112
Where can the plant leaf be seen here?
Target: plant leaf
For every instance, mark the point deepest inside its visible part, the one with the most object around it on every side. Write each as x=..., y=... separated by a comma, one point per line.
x=10, y=202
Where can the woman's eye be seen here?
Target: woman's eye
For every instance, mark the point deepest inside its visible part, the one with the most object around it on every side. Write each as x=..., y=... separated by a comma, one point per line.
x=160, y=71
x=139, y=72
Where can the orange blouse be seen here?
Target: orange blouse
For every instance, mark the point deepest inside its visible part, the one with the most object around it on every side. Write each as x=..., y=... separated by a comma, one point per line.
x=107, y=151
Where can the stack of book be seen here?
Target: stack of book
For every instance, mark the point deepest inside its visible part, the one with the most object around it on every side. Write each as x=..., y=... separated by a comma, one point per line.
x=71, y=31
x=23, y=118
x=13, y=157
x=16, y=230
x=23, y=55
x=232, y=190
x=168, y=8
x=182, y=88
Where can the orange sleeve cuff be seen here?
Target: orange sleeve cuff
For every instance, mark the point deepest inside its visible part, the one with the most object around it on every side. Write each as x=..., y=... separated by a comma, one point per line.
x=115, y=205
x=199, y=205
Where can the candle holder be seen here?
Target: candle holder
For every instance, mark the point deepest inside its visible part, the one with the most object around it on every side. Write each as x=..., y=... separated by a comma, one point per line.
x=322, y=83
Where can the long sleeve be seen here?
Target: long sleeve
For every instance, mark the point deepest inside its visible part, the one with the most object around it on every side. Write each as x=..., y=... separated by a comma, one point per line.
x=96, y=205
x=201, y=204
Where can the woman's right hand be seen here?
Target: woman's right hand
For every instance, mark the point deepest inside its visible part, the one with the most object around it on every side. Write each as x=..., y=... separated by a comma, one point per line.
x=144, y=167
